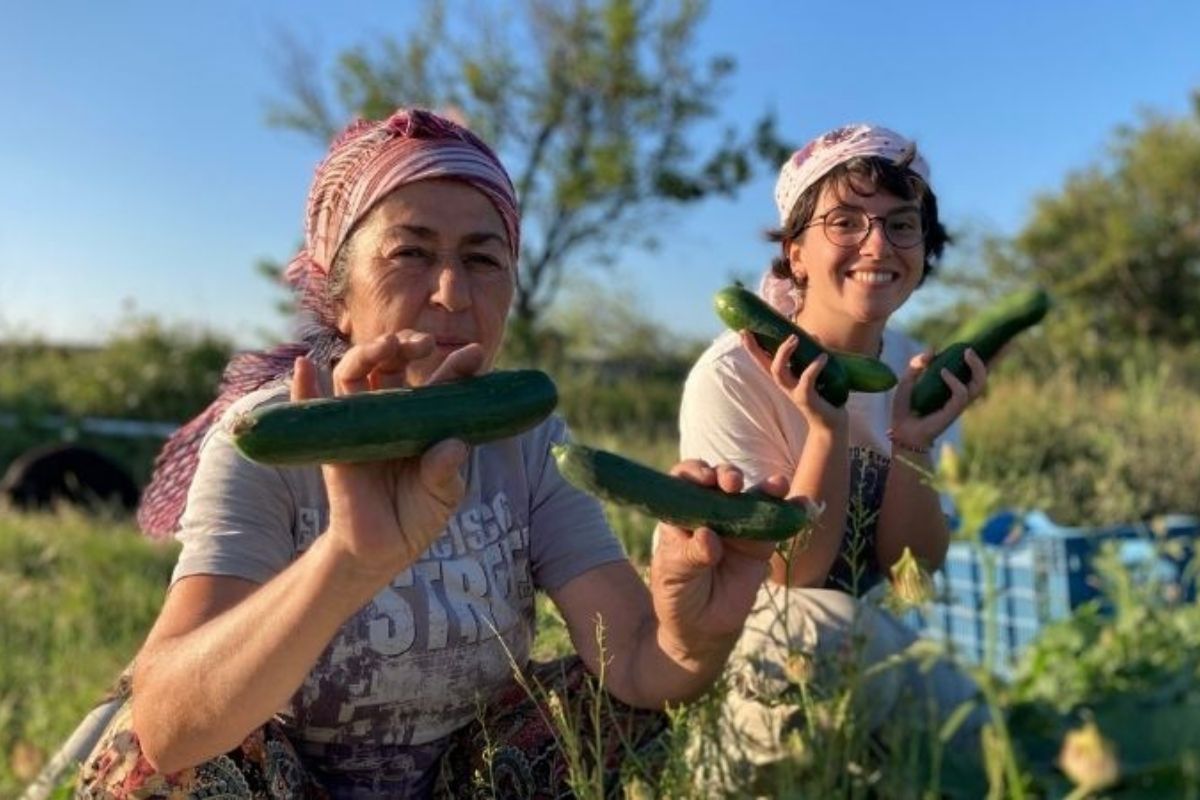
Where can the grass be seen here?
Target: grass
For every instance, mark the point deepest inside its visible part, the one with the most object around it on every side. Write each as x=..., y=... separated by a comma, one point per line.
x=77, y=596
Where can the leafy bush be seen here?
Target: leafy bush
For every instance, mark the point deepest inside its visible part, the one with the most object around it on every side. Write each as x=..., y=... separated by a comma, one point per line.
x=641, y=406
x=618, y=369
x=147, y=371
x=1086, y=453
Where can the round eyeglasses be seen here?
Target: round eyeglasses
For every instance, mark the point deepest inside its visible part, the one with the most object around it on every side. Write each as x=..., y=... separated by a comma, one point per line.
x=850, y=227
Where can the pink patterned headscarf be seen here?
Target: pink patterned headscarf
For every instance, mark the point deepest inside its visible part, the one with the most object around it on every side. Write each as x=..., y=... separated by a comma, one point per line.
x=812, y=162
x=365, y=163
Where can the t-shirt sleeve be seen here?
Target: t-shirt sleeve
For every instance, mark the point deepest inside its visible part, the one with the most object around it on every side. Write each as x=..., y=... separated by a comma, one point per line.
x=568, y=532
x=725, y=417
x=239, y=515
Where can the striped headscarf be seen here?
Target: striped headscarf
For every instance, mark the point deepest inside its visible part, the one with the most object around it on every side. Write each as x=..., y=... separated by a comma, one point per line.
x=366, y=162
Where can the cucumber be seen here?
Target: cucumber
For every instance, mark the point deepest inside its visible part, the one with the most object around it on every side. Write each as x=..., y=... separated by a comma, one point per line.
x=986, y=334
x=930, y=391
x=865, y=374
x=744, y=310
x=395, y=423
x=740, y=309
x=993, y=328
x=750, y=515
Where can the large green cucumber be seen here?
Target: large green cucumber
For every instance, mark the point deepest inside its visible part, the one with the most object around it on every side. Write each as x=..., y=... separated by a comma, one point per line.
x=986, y=334
x=994, y=327
x=750, y=515
x=395, y=423
x=744, y=310
x=865, y=374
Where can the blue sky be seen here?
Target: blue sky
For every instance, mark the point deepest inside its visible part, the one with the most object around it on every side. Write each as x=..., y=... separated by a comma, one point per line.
x=140, y=176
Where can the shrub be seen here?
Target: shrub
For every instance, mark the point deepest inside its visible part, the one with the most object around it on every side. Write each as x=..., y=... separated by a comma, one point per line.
x=1087, y=453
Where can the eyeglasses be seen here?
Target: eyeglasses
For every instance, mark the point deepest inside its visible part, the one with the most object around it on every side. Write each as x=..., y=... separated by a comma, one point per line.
x=850, y=227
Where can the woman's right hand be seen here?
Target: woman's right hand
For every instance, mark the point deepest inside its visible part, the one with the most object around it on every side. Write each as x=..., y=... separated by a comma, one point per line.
x=818, y=412
x=385, y=514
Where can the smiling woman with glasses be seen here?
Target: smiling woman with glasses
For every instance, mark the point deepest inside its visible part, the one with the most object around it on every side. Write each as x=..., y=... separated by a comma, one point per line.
x=858, y=233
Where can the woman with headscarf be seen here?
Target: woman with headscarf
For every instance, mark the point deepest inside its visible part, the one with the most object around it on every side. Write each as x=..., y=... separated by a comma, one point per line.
x=335, y=630
x=859, y=232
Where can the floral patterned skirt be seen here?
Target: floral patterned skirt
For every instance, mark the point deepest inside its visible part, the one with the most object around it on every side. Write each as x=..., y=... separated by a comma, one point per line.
x=539, y=739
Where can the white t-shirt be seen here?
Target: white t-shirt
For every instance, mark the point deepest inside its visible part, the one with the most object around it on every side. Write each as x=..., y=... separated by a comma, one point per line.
x=733, y=412
x=407, y=670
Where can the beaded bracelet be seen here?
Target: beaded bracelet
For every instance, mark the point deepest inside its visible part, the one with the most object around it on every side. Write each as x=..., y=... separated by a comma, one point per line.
x=897, y=443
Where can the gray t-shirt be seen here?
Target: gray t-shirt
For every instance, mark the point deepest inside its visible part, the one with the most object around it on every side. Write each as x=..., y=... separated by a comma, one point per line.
x=410, y=667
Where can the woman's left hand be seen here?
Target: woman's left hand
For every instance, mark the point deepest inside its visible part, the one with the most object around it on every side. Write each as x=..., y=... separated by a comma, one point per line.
x=919, y=432
x=703, y=585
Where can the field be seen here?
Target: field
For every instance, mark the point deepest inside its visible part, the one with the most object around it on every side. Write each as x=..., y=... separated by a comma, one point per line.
x=1112, y=693
x=78, y=594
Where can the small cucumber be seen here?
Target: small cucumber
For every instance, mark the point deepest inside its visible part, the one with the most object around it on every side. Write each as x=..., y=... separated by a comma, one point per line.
x=744, y=310
x=864, y=373
x=986, y=334
x=750, y=515
x=395, y=423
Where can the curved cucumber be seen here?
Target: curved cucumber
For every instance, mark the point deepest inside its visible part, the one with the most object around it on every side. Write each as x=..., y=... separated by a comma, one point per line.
x=1012, y=315
x=993, y=328
x=394, y=423
x=743, y=310
x=986, y=334
x=750, y=515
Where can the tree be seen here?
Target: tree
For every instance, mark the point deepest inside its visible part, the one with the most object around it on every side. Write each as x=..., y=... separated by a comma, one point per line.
x=1119, y=245
x=592, y=104
x=610, y=323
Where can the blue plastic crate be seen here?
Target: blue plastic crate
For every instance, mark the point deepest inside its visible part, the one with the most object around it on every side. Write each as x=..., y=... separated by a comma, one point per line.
x=1042, y=574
